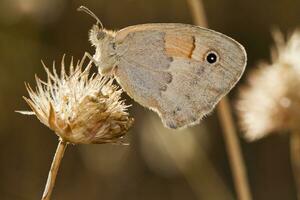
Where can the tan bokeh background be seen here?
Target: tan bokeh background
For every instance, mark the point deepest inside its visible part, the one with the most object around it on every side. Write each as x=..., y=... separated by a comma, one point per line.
x=159, y=163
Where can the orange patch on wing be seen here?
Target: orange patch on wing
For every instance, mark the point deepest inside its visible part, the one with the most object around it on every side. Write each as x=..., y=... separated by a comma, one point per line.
x=179, y=46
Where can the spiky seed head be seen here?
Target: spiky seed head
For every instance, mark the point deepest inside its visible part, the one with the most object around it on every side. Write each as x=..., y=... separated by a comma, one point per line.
x=271, y=101
x=80, y=107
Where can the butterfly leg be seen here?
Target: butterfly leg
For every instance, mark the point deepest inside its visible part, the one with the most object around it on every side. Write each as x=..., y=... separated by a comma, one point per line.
x=89, y=56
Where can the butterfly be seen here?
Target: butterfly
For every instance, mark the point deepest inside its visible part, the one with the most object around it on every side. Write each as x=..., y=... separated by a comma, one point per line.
x=180, y=71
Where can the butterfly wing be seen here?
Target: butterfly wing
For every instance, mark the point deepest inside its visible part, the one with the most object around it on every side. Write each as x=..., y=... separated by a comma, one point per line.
x=164, y=67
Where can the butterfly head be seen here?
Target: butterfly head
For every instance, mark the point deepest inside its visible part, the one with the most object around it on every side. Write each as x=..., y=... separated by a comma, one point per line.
x=102, y=40
x=99, y=35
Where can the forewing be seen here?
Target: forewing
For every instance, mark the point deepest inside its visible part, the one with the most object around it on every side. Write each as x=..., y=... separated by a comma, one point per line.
x=163, y=67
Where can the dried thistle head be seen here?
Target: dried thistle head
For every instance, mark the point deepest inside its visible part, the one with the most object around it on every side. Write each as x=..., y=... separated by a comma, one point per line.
x=80, y=107
x=271, y=101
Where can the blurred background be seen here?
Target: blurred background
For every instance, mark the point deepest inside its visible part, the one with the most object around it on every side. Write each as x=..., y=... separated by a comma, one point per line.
x=159, y=163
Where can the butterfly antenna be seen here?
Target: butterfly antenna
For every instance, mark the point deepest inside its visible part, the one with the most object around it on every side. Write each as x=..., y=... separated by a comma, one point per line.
x=89, y=12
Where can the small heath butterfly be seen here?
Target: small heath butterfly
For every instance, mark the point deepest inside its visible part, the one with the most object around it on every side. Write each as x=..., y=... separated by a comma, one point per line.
x=180, y=71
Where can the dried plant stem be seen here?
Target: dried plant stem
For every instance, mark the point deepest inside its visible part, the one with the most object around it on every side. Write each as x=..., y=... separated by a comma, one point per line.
x=198, y=13
x=230, y=136
x=54, y=169
x=295, y=159
x=234, y=151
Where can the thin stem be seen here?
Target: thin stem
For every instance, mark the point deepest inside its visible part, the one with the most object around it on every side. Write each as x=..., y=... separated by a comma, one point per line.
x=198, y=13
x=234, y=151
x=229, y=132
x=295, y=159
x=54, y=169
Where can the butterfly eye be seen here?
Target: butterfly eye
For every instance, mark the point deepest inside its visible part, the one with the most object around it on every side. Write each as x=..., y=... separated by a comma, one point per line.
x=212, y=57
x=100, y=35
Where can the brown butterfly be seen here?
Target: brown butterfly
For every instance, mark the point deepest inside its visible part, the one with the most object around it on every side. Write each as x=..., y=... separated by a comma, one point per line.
x=180, y=71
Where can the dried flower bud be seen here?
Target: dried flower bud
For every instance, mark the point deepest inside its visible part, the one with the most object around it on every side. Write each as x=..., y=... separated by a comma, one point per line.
x=81, y=108
x=271, y=102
